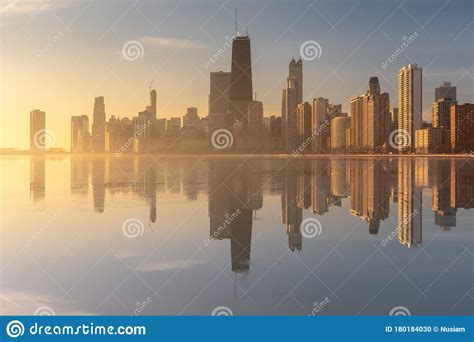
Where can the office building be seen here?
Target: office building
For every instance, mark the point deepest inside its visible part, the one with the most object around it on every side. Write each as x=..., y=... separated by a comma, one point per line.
x=98, y=125
x=304, y=127
x=339, y=126
x=241, y=91
x=445, y=90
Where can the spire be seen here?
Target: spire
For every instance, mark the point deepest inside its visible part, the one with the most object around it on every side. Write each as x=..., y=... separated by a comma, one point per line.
x=235, y=21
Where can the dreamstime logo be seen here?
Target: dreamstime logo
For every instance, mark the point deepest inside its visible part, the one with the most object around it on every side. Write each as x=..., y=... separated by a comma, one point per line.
x=308, y=141
x=44, y=138
x=44, y=311
x=138, y=132
x=399, y=139
x=310, y=50
x=49, y=45
x=319, y=306
x=228, y=220
x=15, y=328
x=404, y=222
x=140, y=307
x=222, y=138
x=227, y=44
x=406, y=42
x=132, y=50
x=132, y=227
x=310, y=227
x=222, y=311
x=399, y=311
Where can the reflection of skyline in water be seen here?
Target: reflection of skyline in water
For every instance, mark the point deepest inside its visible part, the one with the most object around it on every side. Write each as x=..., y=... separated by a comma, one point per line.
x=304, y=185
x=242, y=218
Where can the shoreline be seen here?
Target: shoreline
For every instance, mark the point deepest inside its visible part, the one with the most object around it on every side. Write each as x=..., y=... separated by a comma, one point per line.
x=240, y=155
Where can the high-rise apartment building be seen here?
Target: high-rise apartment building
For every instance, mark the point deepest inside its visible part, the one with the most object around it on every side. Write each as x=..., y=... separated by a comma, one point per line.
x=304, y=127
x=409, y=105
x=462, y=127
x=441, y=110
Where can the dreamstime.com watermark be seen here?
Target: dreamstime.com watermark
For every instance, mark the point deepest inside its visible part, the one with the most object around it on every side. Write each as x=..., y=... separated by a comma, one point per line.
x=222, y=311
x=308, y=141
x=311, y=227
x=222, y=138
x=393, y=233
x=140, y=307
x=133, y=227
x=43, y=228
x=133, y=50
x=406, y=42
x=138, y=133
x=319, y=306
x=310, y=50
x=52, y=41
x=227, y=45
x=16, y=329
x=228, y=220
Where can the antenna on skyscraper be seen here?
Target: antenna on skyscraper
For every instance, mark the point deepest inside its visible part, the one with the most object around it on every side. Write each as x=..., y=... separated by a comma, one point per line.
x=235, y=21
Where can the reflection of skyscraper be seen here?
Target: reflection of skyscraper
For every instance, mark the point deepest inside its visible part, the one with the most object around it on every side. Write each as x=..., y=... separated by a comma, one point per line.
x=304, y=184
x=98, y=125
x=37, y=130
x=462, y=185
x=241, y=92
x=409, y=103
x=409, y=204
x=370, y=191
x=230, y=209
x=444, y=215
x=98, y=184
x=79, y=176
x=37, y=181
x=292, y=214
x=320, y=187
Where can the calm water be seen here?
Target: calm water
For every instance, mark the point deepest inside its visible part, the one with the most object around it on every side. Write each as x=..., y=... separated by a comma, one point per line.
x=135, y=235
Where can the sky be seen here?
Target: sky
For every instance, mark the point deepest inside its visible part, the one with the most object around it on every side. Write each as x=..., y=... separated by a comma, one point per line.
x=58, y=55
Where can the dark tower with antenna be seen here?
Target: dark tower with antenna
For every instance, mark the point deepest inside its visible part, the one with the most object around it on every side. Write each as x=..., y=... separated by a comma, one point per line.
x=241, y=90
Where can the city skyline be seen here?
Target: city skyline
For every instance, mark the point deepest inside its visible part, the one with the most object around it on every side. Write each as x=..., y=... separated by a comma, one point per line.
x=322, y=76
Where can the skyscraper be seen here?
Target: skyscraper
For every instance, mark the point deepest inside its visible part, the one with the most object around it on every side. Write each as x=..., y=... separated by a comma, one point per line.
x=241, y=91
x=442, y=112
x=292, y=96
x=445, y=90
x=152, y=107
x=409, y=104
x=304, y=127
x=219, y=100
x=289, y=120
x=98, y=125
x=296, y=70
x=80, y=136
x=378, y=116
x=319, y=116
x=37, y=130
x=462, y=127
x=358, y=134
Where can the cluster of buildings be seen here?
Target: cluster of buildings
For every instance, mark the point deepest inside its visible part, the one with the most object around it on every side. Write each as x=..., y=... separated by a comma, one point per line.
x=304, y=127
